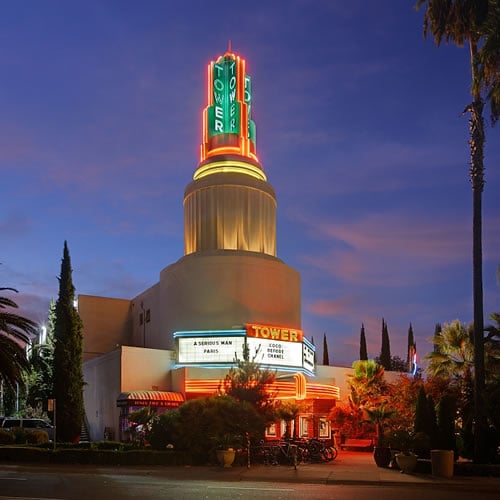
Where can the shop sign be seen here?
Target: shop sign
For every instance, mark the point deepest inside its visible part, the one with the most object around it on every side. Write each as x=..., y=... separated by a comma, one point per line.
x=274, y=333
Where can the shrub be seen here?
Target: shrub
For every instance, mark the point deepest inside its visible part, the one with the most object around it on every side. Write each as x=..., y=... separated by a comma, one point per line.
x=37, y=437
x=19, y=435
x=163, y=429
x=107, y=445
x=7, y=437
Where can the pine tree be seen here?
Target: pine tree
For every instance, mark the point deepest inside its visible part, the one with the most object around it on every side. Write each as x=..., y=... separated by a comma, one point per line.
x=363, y=353
x=326, y=358
x=385, y=352
x=68, y=353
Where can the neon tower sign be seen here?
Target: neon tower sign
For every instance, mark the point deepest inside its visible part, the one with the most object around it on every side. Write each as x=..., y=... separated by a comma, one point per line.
x=227, y=125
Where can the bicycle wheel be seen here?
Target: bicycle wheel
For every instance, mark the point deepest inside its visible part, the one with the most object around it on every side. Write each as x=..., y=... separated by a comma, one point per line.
x=334, y=452
x=326, y=454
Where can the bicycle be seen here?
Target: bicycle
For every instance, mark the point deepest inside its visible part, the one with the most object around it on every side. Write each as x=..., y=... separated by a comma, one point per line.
x=318, y=451
x=278, y=453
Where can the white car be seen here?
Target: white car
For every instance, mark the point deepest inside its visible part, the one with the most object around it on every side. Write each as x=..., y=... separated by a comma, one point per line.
x=28, y=424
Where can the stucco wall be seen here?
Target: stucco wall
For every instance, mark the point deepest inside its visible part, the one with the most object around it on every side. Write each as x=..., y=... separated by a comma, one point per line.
x=224, y=289
x=124, y=369
x=146, y=369
x=106, y=324
x=102, y=377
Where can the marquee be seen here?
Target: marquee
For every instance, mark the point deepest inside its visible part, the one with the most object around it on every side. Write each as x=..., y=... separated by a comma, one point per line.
x=273, y=347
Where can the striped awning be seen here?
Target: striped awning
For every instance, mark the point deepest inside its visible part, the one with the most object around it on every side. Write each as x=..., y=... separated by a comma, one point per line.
x=150, y=398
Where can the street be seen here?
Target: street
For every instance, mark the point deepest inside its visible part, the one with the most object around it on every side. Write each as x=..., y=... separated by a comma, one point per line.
x=34, y=483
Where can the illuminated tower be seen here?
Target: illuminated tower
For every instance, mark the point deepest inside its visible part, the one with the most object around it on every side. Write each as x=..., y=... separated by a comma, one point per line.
x=230, y=274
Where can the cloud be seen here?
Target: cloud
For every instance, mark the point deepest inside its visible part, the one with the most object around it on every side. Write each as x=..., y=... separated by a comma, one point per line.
x=387, y=249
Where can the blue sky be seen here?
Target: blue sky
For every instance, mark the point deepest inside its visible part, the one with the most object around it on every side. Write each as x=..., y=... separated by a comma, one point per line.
x=359, y=130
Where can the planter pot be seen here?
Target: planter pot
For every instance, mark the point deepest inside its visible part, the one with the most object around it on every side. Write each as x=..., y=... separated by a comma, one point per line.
x=442, y=462
x=382, y=456
x=226, y=457
x=406, y=462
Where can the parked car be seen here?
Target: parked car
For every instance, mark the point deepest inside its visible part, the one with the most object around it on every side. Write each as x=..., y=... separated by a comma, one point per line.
x=28, y=424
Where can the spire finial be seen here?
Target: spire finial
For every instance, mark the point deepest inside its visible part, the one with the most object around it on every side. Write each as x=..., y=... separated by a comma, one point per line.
x=229, y=46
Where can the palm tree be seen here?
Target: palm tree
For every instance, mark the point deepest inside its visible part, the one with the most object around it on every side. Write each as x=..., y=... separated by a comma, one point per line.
x=453, y=357
x=289, y=411
x=379, y=416
x=366, y=383
x=15, y=333
x=477, y=24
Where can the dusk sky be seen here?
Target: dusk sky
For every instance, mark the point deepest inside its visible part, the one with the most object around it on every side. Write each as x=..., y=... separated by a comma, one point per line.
x=359, y=130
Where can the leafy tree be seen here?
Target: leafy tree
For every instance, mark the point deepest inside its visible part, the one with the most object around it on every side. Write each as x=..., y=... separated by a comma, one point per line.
x=403, y=392
x=385, y=351
x=476, y=24
x=247, y=381
x=326, y=358
x=363, y=353
x=203, y=424
x=162, y=430
x=347, y=419
x=398, y=364
x=39, y=380
x=68, y=372
x=15, y=332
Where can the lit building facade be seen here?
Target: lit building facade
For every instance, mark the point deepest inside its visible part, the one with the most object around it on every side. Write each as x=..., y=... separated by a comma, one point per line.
x=177, y=339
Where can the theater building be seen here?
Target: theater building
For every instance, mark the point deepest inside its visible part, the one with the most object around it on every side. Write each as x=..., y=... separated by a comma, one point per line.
x=176, y=340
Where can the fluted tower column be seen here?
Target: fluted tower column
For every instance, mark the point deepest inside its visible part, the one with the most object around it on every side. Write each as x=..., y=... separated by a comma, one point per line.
x=230, y=274
x=229, y=205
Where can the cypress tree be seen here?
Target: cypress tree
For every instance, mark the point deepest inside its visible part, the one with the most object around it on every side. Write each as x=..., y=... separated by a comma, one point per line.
x=433, y=429
x=437, y=332
x=326, y=358
x=68, y=354
x=446, y=423
x=363, y=353
x=411, y=344
x=421, y=422
x=385, y=352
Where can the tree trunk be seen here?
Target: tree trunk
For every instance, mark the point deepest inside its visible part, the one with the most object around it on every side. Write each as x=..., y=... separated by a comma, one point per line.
x=477, y=140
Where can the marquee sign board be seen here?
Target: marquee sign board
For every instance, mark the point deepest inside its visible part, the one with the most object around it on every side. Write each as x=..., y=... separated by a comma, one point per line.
x=276, y=347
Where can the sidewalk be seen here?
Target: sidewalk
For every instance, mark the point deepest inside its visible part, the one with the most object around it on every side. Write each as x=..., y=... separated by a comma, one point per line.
x=350, y=467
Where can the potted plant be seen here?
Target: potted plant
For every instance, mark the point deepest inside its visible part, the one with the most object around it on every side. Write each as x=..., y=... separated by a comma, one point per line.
x=379, y=416
x=225, y=448
x=402, y=441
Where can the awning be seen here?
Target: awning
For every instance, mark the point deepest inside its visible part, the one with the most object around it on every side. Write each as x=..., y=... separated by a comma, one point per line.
x=162, y=399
